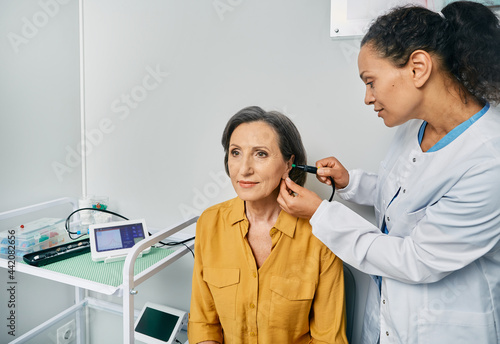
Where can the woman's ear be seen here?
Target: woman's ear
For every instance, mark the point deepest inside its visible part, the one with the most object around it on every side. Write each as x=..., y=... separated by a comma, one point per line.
x=288, y=166
x=420, y=63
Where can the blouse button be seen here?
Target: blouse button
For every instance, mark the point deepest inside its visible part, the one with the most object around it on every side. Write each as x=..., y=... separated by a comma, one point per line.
x=254, y=274
x=252, y=306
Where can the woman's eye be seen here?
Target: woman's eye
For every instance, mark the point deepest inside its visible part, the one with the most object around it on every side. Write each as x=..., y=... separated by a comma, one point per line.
x=370, y=84
x=262, y=154
x=235, y=152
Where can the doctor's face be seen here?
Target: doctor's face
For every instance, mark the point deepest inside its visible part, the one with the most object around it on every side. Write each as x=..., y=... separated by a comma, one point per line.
x=256, y=165
x=388, y=88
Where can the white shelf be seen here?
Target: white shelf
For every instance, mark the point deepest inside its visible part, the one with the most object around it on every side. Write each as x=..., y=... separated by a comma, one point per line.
x=130, y=281
x=63, y=278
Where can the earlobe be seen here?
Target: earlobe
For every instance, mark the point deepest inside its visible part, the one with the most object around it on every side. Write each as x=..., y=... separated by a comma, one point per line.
x=420, y=63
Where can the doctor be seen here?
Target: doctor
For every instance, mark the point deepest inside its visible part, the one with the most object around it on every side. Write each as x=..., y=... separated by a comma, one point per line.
x=435, y=250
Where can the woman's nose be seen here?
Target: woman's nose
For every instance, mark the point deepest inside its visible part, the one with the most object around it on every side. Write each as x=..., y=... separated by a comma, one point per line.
x=369, y=97
x=246, y=166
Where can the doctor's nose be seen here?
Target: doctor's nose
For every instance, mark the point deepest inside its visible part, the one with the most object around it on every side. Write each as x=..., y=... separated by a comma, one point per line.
x=369, y=97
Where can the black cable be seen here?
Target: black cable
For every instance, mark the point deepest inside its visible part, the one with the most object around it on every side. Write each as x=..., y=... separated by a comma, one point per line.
x=333, y=191
x=66, y=225
x=314, y=170
x=175, y=243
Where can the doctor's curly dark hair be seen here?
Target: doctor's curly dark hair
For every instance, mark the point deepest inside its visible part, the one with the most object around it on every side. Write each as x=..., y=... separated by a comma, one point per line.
x=466, y=39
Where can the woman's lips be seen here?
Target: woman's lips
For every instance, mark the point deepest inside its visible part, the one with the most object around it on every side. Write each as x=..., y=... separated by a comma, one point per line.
x=247, y=184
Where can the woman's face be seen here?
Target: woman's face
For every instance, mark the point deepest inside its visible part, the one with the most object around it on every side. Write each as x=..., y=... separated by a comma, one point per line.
x=255, y=163
x=388, y=88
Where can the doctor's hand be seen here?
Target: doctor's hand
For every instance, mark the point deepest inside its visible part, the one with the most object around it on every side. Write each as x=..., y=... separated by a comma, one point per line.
x=331, y=167
x=296, y=200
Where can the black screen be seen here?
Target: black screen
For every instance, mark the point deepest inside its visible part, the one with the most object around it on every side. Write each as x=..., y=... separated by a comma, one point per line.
x=156, y=324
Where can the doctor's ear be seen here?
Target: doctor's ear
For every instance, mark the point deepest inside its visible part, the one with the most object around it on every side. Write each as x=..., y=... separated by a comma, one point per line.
x=420, y=64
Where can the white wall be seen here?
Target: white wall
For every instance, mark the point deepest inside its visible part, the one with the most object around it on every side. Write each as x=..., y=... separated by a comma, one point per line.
x=39, y=101
x=39, y=111
x=158, y=154
x=162, y=79
x=155, y=148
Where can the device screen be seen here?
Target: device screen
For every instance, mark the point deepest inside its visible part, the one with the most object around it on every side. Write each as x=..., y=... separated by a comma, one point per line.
x=156, y=324
x=113, y=238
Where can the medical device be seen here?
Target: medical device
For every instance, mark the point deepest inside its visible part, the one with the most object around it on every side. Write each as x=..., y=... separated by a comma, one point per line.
x=112, y=241
x=314, y=170
x=306, y=168
x=57, y=253
x=159, y=324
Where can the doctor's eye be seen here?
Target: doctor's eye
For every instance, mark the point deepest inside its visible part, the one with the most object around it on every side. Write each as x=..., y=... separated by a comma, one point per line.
x=235, y=152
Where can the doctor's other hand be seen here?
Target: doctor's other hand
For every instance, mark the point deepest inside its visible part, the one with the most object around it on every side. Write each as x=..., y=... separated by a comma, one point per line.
x=331, y=167
x=297, y=200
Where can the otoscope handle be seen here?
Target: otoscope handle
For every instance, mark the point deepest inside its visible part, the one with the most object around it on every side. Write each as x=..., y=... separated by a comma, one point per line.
x=312, y=169
x=307, y=168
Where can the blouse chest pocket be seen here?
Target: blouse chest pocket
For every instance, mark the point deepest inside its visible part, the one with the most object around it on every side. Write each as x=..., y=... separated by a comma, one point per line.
x=291, y=301
x=223, y=284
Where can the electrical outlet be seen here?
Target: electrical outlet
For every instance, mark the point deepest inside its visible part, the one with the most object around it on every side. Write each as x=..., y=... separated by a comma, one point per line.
x=67, y=333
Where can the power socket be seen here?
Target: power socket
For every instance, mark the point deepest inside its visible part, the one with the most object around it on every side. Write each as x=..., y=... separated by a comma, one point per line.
x=66, y=333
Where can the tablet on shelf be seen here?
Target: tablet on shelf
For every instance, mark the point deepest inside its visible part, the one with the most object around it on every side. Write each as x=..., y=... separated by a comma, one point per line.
x=112, y=241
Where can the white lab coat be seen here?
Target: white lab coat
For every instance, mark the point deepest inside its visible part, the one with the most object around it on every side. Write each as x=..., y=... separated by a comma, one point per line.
x=440, y=262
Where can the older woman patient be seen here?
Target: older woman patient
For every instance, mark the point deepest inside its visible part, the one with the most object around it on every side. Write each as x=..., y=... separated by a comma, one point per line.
x=260, y=276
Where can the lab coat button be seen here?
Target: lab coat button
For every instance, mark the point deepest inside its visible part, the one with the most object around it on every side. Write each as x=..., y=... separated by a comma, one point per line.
x=404, y=190
x=387, y=333
x=383, y=301
x=388, y=219
x=414, y=159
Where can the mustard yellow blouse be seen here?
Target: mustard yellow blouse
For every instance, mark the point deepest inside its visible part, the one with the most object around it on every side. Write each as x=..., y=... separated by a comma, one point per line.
x=296, y=296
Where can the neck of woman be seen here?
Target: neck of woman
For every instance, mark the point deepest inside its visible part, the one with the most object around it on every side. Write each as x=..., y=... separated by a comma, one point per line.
x=265, y=210
x=448, y=104
x=445, y=108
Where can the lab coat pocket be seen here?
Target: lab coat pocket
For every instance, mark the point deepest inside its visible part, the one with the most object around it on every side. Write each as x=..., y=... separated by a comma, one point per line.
x=464, y=327
x=416, y=216
x=291, y=301
x=407, y=222
x=223, y=284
